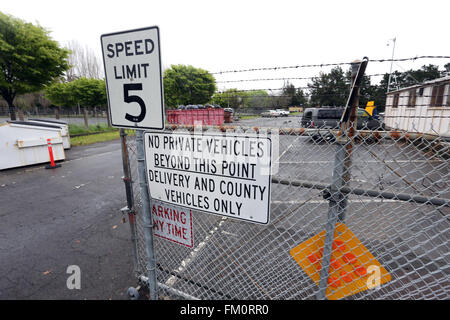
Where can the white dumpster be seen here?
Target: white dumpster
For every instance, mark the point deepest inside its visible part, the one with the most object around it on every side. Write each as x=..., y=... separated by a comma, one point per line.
x=24, y=143
x=64, y=129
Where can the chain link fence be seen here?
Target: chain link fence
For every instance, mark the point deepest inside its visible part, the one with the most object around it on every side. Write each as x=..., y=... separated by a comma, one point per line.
x=397, y=209
x=355, y=213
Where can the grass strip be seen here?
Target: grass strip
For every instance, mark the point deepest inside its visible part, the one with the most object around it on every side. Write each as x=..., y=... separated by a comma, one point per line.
x=81, y=129
x=99, y=137
x=247, y=117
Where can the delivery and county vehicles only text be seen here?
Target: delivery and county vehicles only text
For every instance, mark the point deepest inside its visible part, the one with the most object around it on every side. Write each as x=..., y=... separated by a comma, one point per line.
x=226, y=175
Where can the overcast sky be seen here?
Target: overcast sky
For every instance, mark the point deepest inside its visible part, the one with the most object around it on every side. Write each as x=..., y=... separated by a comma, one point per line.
x=233, y=35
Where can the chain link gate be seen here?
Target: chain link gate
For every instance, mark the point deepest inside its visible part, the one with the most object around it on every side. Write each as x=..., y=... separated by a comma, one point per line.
x=393, y=206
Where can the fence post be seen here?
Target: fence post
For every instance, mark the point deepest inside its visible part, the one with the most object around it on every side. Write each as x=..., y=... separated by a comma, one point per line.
x=107, y=118
x=341, y=173
x=146, y=216
x=85, y=118
x=20, y=114
x=129, y=209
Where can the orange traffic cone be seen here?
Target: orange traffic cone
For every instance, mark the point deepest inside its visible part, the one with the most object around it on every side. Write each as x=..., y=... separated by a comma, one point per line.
x=52, y=164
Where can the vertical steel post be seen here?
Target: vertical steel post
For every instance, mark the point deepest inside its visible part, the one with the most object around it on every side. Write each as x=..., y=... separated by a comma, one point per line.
x=392, y=61
x=85, y=116
x=341, y=173
x=146, y=216
x=337, y=205
x=129, y=209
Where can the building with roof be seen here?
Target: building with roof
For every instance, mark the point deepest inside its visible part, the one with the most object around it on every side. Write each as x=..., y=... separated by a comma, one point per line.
x=421, y=108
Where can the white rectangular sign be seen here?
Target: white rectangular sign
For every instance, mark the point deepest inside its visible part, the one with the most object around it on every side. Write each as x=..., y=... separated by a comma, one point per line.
x=228, y=175
x=132, y=62
x=172, y=223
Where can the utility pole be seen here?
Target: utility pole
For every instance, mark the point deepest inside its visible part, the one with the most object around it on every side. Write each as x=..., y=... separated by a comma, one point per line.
x=392, y=58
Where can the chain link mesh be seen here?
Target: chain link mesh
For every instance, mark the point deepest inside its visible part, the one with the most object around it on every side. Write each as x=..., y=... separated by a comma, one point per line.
x=232, y=259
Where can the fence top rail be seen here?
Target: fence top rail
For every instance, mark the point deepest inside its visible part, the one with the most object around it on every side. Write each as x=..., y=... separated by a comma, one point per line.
x=364, y=192
x=390, y=135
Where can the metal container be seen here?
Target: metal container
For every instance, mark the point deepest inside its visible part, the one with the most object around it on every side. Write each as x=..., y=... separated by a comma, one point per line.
x=24, y=143
x=64, y=129
x=196, y=117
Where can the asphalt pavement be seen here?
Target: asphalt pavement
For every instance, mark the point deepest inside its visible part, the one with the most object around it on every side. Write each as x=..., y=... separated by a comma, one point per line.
x=56, y=218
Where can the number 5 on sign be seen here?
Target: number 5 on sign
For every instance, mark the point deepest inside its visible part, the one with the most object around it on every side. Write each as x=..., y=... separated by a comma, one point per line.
x=128, y=99
x=132, y=62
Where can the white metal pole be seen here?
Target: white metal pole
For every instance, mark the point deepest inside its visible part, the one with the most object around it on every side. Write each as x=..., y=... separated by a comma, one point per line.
x=392, y=61
x=146, y=216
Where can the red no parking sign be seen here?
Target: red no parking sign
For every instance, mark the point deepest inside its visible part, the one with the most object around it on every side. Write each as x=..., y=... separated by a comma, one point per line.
x=173, y=223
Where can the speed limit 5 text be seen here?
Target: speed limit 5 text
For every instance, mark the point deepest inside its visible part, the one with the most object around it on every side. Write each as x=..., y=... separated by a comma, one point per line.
x=130, y=48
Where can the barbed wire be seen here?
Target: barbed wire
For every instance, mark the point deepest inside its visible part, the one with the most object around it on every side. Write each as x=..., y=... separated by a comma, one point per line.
x=300, y=78
x=233, y=93
x=285, y=78
x=283, y=67
x=415, y=117
x=417, y=96
x=384, y=116
x=410, y=59
x=267, y=79
x=416, y=105
x=321, y=65
x=378, y=106
x=266, y=89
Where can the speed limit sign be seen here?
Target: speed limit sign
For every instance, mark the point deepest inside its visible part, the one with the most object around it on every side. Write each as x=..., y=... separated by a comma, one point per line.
x=132, y=61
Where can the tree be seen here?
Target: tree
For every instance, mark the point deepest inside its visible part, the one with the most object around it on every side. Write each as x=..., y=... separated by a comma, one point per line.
x=234, y=98
x=294, y=96
x=425, y=73
x=89, y=92
x=378, y=92
x=83, y=91
x=332, y=89
x=83, y=62
x=230, y=98
x=329, y=89
x=187, y=85
x=412, y=77
x=256, y=99
x=29, y=59
x=401, y=80
x=367, y=91
x=59, y=93
x=447, y=67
